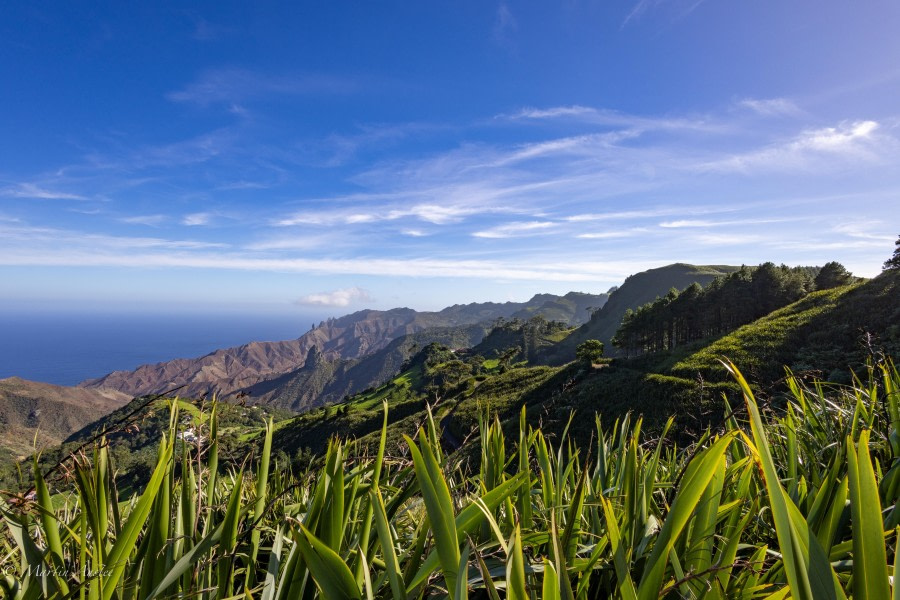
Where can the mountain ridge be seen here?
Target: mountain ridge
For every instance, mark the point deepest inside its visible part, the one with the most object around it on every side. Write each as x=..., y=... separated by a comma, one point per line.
x=821, y=330
x=351, y=336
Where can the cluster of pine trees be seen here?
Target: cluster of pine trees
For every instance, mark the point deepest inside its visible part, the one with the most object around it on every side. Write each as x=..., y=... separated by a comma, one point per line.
x=725, y=304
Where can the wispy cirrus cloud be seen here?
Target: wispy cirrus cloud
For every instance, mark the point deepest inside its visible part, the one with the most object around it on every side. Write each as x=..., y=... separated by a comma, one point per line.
x=650, y=213
x=845, y=143
x=572, y=173
x=38, y=246
x=414, y=232
x=518, y=229
x=771, y=107
x=232, y=86
x=40, y=239
x=151, y=220
x=626, y=122
x=678, y=8
x=244, y=185
x=148, y=163
x=821, y=245
x=31, y=190
x=613, y=234
x=668, y=179
x=725, y=239
x=706, y=223
x=563, y=270
x=866, y=230
x=197, y=219
x=270, y=243
x=615, y=157
x=553, y=113
x=339, y=298
x=584, y=145
x=505, y=27
x=198, y=149
x=436, y=214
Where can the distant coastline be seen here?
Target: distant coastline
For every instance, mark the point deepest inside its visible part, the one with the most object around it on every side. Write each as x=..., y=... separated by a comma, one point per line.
x=67, y=348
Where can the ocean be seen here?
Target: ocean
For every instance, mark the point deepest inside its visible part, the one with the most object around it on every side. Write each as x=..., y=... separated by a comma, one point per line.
x=66, y=349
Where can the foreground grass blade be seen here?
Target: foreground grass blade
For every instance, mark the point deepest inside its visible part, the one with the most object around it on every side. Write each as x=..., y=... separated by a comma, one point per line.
x=462, y=582
x=395, y=576
x=870, y=580
x=50, y=528
x=468, y=519
x=516, y=588
x=329, y=571
x=626, y=583
x=795, y=560
x=118, y=555
x=439, y=505
x=190, y=559
x=697, y=477
x=550, y=588
x=262, y=479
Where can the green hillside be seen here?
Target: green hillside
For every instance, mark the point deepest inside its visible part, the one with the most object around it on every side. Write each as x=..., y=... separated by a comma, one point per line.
x=824, y=328
x=642, y=452
x=832, y=331
x=728, y=515
x=638, y=289
x=829, y=331
x=700, y=312
x=827, y=334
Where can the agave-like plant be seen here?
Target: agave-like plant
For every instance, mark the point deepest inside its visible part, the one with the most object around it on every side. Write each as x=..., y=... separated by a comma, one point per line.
x=797, y=501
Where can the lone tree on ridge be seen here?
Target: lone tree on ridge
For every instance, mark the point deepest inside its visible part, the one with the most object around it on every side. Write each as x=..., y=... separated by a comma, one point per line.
x=832, y=275
x=590, y=351
x=894, y=261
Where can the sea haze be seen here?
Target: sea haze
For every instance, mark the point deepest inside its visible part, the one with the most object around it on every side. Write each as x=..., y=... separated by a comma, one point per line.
x=66, y=349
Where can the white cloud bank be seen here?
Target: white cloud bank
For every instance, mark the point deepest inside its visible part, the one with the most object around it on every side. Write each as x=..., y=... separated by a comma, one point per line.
x=341, y=298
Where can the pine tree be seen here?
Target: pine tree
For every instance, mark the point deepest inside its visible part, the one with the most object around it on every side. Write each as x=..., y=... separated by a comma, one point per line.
x=832, y=275
x=893, y=262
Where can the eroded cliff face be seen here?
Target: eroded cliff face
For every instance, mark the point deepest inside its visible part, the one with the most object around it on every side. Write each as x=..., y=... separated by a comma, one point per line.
x=230, y=369
x=353, y=336
x=34, y=414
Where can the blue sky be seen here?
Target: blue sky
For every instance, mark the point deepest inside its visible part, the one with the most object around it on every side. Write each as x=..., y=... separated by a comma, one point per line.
x=275, y=156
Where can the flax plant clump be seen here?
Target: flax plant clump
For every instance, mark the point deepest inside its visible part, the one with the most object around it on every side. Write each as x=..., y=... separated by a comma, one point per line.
x=798, y=500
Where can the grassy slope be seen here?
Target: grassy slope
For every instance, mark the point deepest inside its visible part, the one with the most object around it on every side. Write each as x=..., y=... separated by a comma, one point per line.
x=826, y=329
x=361, y=416
x=637, y=290
x=831, y=331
